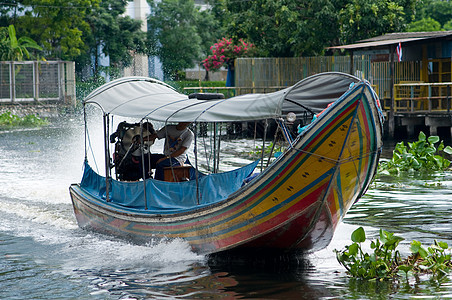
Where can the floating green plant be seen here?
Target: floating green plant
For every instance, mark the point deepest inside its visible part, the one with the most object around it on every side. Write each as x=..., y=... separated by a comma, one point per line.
x=420, y=157
x=386, y=262
x=269, y=149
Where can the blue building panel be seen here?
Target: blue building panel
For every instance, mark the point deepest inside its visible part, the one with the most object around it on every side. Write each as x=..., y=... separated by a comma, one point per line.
x=446, y=49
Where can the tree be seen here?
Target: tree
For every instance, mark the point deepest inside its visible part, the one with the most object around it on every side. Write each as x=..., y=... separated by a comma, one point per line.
x=306, y=27
x=114, y=34
x=362, y=19
x=13, y=48
x=440, y=11
x=435, y=15
x=58, y=26
x=426, y=24
x=284, y=28
x=173, y=35
x=9, y=10
x=315, y=15
x=448, y=25
x=267, y=24
x=209, y=29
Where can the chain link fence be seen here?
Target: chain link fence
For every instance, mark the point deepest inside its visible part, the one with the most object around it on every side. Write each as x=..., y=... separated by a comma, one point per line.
x=50, y=82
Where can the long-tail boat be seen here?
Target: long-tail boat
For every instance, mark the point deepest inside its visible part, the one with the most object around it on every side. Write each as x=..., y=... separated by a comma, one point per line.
x=292, y=205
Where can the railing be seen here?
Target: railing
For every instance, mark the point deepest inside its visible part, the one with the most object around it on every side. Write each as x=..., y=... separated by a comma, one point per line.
x=33, y=81
x=419, y=97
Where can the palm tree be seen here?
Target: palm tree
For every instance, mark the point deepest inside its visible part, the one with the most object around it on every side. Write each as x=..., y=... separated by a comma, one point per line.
x=12, y=48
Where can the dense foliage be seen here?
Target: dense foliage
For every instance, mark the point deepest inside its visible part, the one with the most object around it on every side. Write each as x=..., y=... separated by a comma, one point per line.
x=59, y=27
x=13, y=48
x=419, y=157
x=362, y=19
x=433, y=15
x=306, y=28
x=77, y=30
x=173, y=34
x=114, y=34
x=386, y=262
x=181, y=33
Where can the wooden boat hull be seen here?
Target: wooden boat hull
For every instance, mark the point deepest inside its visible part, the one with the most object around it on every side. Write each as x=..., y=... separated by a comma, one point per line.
x=294, y=205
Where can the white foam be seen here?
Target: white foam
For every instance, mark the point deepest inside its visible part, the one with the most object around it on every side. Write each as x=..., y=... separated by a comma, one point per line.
x=35, y=214
x=51, y=227
x=97, y=251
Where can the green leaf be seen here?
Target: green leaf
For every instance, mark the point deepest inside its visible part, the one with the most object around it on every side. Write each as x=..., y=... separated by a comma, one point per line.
x=433, y=139
x=373, y=245
x=373, y=257
x=448, y=150
x=443, y=245
x=417, y=248
x=384, y=236
x=405, y=268
x=422, y=136
x=400, y=147
x=416, y=163
x=359, y=236
x=415, y=245
x=353, y=249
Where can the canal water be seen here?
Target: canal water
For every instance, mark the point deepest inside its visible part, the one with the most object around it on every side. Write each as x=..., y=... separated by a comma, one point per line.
x=44, y=255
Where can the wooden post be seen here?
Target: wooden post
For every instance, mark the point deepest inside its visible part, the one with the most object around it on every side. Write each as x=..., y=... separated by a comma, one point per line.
x=424, y=70
x=352, y=67
x=391, y=121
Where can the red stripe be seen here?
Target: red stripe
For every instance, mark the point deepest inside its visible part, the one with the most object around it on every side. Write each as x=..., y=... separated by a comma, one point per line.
x=280, y=218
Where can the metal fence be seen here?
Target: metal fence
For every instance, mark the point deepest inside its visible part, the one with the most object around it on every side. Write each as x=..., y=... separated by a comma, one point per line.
x=37, y=81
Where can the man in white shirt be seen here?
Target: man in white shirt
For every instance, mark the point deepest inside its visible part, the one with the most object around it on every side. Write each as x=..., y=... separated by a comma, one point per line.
x=178, y=139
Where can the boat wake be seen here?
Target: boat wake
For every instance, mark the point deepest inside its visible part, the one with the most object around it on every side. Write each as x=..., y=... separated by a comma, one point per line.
x=56, y=230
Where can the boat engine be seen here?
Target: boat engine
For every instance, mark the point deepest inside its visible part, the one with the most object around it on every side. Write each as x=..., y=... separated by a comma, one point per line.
x=127, y=157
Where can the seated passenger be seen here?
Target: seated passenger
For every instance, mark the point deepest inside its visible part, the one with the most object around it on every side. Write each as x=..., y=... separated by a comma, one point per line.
x=178, y=139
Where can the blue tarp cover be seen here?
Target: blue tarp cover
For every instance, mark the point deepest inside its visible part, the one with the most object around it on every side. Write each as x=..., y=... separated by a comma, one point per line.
x=167, y=196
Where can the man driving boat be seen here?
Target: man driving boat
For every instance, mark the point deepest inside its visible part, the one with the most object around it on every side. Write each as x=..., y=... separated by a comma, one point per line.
x=178, y=139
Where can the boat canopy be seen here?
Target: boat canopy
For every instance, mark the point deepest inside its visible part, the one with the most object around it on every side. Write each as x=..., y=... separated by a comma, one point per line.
x=151, y=99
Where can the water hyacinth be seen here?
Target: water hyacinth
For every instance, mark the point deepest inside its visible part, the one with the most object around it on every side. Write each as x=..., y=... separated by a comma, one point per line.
x=385, y=262
x=422, y=156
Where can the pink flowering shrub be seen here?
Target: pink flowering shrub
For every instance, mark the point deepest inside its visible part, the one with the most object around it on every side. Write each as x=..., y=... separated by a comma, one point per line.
x=225, y=51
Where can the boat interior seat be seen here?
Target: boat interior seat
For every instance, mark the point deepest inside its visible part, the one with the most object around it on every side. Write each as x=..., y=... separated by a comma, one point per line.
x=177, y=173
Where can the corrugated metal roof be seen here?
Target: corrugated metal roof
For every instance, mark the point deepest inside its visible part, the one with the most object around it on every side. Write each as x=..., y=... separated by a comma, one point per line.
x=394, y=38
x=408, y=35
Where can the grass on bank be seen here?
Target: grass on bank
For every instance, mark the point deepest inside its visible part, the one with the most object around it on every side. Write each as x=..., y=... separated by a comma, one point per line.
x=8, y=120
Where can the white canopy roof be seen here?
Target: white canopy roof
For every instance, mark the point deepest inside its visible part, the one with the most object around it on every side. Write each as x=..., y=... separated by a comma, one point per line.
x=148, y=98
